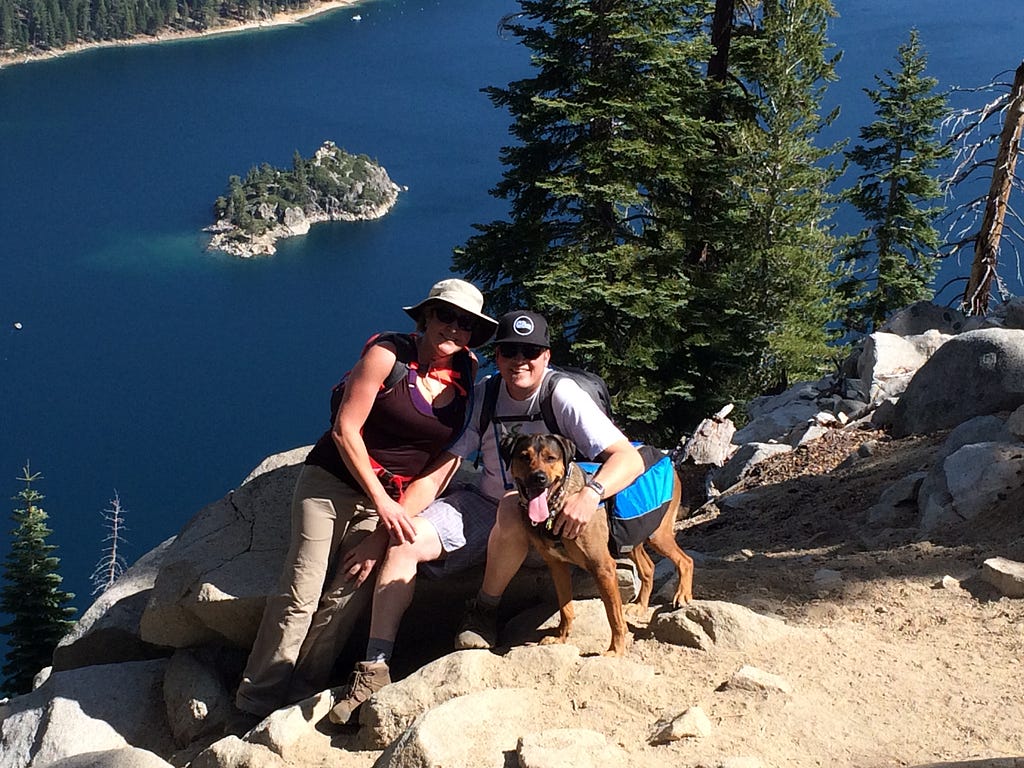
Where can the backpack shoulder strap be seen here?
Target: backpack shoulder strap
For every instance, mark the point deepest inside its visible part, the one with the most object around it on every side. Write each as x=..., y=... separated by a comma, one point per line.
x=405, y=352
x=547, y=390
x=490, y=399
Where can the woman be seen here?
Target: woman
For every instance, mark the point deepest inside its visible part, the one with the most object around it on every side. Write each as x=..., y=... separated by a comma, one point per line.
x=360, y=486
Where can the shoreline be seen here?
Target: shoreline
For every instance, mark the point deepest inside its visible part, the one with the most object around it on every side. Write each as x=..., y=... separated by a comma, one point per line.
x=278, y=20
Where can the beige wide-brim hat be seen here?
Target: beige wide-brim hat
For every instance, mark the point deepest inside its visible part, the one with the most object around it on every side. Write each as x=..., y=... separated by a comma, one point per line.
x=464, y=296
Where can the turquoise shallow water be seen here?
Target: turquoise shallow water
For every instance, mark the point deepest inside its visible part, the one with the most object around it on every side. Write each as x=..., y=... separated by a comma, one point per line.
x=149, y=366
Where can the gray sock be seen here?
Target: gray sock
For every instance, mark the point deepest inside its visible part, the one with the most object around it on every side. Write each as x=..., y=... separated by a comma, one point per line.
x=487, y=601
x=378, y=650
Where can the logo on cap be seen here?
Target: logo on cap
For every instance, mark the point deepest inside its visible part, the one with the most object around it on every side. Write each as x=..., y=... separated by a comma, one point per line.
x=523, y=325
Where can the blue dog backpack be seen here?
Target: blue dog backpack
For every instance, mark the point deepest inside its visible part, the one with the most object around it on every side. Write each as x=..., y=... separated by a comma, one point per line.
x=635, y=512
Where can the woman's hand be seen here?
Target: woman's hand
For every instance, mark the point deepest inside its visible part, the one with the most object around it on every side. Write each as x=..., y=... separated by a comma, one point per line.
x=395, y=521
x=358, y=563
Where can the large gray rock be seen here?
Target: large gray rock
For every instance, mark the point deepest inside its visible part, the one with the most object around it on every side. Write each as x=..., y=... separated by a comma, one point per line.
x=924, y=316
x=976, y=478
x=772, y=417
x=980, y=429
x=744, y=460
x=231, y=752
x=709, y=624
x=128, y=757
x=393, y=709
x=109, y=630
x=92, y=709
x=897, y=506
x=215, y=576
x=489, y=724
x=975, y=373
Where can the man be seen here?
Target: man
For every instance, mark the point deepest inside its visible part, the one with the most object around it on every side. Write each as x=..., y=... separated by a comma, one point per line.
x=457, y=531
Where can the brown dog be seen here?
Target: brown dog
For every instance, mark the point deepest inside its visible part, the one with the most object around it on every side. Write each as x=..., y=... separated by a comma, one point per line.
x=545, y=475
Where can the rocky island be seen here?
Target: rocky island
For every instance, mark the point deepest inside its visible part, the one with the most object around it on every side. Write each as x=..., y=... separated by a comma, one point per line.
x=271, y=203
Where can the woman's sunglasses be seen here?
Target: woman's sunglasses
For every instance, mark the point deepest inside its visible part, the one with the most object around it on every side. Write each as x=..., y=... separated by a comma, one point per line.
x=447, y=315
x=528, y=351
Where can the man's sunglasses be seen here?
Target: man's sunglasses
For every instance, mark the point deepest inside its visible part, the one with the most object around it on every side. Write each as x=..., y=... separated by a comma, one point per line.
x=447, y=315
x=528, y=351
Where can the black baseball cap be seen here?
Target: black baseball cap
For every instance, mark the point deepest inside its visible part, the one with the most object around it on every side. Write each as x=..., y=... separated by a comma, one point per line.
x=523, y=327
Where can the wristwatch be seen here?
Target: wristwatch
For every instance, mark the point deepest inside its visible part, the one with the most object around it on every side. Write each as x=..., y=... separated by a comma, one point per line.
x=595, y=486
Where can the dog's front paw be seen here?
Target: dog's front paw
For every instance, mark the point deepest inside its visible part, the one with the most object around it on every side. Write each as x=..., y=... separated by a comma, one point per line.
x=552, y=640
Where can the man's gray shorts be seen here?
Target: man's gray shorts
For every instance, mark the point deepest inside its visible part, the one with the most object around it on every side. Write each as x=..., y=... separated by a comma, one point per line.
x=463, y=520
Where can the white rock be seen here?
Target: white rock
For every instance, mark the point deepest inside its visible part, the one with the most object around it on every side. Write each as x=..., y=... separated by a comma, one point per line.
x=707, y=624
x=748, y=678
x=1005, y=575
x=693, y=723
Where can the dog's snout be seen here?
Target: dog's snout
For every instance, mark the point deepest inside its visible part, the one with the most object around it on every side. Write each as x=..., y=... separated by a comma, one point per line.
x=539, y=479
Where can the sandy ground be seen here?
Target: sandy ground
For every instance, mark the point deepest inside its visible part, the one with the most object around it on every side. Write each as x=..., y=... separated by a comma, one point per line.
x=898, y=668
x=891, y=664
x=9, y=59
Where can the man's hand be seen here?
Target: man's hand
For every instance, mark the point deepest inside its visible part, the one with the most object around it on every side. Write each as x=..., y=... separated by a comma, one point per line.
x=576, y=513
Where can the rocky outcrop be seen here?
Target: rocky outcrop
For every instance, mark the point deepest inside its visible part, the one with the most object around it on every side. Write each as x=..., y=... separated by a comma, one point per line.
x=92, y=709
x=976, y=373
x=945, y=372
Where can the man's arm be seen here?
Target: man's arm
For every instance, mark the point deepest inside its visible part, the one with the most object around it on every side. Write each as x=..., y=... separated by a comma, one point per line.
x=622, y=464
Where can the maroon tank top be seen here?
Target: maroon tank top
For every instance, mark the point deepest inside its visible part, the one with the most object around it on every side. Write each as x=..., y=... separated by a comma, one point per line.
x=403, y=432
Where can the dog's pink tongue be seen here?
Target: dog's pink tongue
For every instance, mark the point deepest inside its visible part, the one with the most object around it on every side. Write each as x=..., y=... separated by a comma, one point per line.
x=538, y=508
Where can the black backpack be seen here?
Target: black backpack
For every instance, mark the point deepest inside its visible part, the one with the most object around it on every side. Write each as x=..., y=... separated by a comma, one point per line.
x=589, y=382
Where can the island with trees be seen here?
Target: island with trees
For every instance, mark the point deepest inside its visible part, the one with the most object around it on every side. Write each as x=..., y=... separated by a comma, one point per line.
x=271, y=203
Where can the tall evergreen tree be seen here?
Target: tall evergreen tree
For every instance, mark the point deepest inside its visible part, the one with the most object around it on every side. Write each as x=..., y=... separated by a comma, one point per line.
x=607, y=127
x=892, y=262
x=785, y=278
x=31, y=595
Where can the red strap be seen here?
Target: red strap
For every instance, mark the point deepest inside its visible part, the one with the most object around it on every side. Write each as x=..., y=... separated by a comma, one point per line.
x=446, y=376
x=393, y=484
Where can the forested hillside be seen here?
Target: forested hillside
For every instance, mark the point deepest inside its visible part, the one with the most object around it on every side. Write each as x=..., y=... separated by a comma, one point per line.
x=27, y=25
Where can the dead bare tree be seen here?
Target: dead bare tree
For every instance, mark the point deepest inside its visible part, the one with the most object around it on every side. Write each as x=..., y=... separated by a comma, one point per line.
x=999, y=221
x=112, y=564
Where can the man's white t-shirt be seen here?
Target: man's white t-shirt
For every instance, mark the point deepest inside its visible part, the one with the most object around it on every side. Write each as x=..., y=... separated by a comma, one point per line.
x=578, y=417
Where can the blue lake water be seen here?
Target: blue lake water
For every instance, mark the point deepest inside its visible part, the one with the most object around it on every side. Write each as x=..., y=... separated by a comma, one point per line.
x=145, y=364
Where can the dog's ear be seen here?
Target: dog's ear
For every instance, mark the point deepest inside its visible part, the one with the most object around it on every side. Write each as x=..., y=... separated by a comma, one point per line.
x=506, y=445
x=568, y=449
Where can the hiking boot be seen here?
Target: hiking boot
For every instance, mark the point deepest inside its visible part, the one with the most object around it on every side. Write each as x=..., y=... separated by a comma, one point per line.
x=629, y=580
x=478, y=628
x=367, y=678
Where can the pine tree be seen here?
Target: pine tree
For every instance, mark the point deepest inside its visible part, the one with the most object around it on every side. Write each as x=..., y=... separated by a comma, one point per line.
x=31, y=595
x=784, y=281
x=891, y=262
x=608, y=126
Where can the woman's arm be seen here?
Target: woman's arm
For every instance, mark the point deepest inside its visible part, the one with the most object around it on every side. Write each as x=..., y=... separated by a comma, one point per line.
x=361, y=389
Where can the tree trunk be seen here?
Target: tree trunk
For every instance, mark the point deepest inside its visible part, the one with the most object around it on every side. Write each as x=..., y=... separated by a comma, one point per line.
x=721, y=37
x=986, y=247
